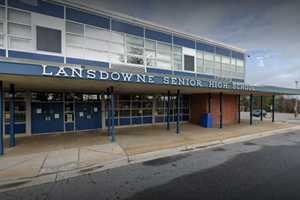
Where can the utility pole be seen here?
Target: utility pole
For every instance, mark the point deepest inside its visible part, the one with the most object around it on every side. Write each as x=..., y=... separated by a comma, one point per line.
x=296, y=102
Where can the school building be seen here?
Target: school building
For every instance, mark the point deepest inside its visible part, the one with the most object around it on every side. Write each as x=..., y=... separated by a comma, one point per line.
x=66, y=67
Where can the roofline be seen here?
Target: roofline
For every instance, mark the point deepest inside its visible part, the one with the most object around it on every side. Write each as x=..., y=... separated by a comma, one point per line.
x=148, y=24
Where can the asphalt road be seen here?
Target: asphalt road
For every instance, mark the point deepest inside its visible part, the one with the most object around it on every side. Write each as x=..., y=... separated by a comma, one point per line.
x=267, y=168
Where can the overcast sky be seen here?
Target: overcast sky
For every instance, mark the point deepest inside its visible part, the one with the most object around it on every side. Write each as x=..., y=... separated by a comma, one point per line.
x=268, y=29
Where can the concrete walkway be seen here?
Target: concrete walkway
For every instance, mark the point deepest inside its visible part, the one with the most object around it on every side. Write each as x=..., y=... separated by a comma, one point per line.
x=49, y=158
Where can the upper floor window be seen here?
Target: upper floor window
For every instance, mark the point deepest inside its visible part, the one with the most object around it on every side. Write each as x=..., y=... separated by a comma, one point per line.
x=48, y=39
x=189, y=63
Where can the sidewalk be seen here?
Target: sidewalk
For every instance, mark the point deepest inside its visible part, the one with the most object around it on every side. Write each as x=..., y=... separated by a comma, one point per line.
x=21, y=169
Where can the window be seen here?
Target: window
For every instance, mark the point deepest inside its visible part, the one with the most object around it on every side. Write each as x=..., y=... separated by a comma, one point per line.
x=189, y=63
x=150, y=51
x=2, y=15
x=19, y=30
x=163, y=56
x=135, y=50
x=177, y=58
x=89, y=42
x=48, y=39
x=200, y=62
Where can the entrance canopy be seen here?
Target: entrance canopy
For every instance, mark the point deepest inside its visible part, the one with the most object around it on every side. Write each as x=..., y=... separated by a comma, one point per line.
x=89, y=79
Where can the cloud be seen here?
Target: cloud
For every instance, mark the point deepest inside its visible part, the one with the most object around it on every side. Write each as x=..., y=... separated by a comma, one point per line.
x=268, y=30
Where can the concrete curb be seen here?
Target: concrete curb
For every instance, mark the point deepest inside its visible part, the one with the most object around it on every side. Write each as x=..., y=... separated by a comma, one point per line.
x=42, y=178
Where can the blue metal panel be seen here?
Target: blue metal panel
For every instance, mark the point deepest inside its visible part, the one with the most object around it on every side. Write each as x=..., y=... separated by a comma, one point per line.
x=205, y=47
x=147, y=120
x=184, y=42
x=238, y=80
x=237, y=55
x=35, y=56
x=155, y=35
x=87, y=18
x=69, y=126
x=127, y=28
x=178, y=73
x=159, y=119
x=2, y=52
x=87, y=115
x=46, y=122
x=86, y=62
x=205, y=76
x=116, y=122
x=136, y=120
x=19, y=128
x=159, y=71
x=223, y=51
x=124, y=121
x=41, y=7
x=171, y=118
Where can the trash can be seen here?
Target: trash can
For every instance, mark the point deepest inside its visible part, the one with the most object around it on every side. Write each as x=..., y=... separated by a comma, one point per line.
x=206, y=120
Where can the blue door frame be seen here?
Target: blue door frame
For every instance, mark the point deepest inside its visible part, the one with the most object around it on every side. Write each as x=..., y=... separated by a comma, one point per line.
x=87, y=115
x=47, y=117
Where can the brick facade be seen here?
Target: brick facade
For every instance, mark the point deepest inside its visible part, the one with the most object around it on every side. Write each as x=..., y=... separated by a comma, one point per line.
x=200, y=105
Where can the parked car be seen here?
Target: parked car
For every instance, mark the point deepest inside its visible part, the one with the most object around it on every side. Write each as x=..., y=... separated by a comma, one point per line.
x=256, y=113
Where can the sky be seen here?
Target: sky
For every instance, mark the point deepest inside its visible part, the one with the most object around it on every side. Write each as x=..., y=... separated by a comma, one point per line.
x=269, y=30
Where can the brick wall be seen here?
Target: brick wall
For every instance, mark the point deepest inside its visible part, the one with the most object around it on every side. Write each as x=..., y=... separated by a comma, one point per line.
x=199, y=105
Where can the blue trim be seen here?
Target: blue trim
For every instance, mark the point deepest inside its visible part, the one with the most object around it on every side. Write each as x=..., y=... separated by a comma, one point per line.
x=205, y=76
x=205, y=47
x=155, y=35
x=2, y=52
x=42, y=7
x=19, y=128
x=86, y=62
x=107, y=121
x=127, y=28
x=86, y=18
x=184, y=42
x=178, y=73
x=223, y=51
x=147, y=120
x=69, y=126
x=124, y=121
x=136, y=120
x=238, y=80
x=238, y=55
x=35, y=56
x=159, y=119
x=158, y=71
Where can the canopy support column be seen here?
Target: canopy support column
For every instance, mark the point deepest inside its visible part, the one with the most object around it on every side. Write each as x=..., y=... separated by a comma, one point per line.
x=273, y=108
x=261, y=108
x=12, y=139
x=178, y=112
x=239, y=108
x=112, y=96
x=168, y=111
x=251, y=109
x=221, y=109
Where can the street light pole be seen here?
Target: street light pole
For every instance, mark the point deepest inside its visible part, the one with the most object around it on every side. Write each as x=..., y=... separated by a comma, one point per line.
x=296, y=102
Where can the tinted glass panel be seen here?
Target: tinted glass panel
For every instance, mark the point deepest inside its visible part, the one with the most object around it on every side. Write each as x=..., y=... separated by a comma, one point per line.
x=48, y=39
x=189, y=63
